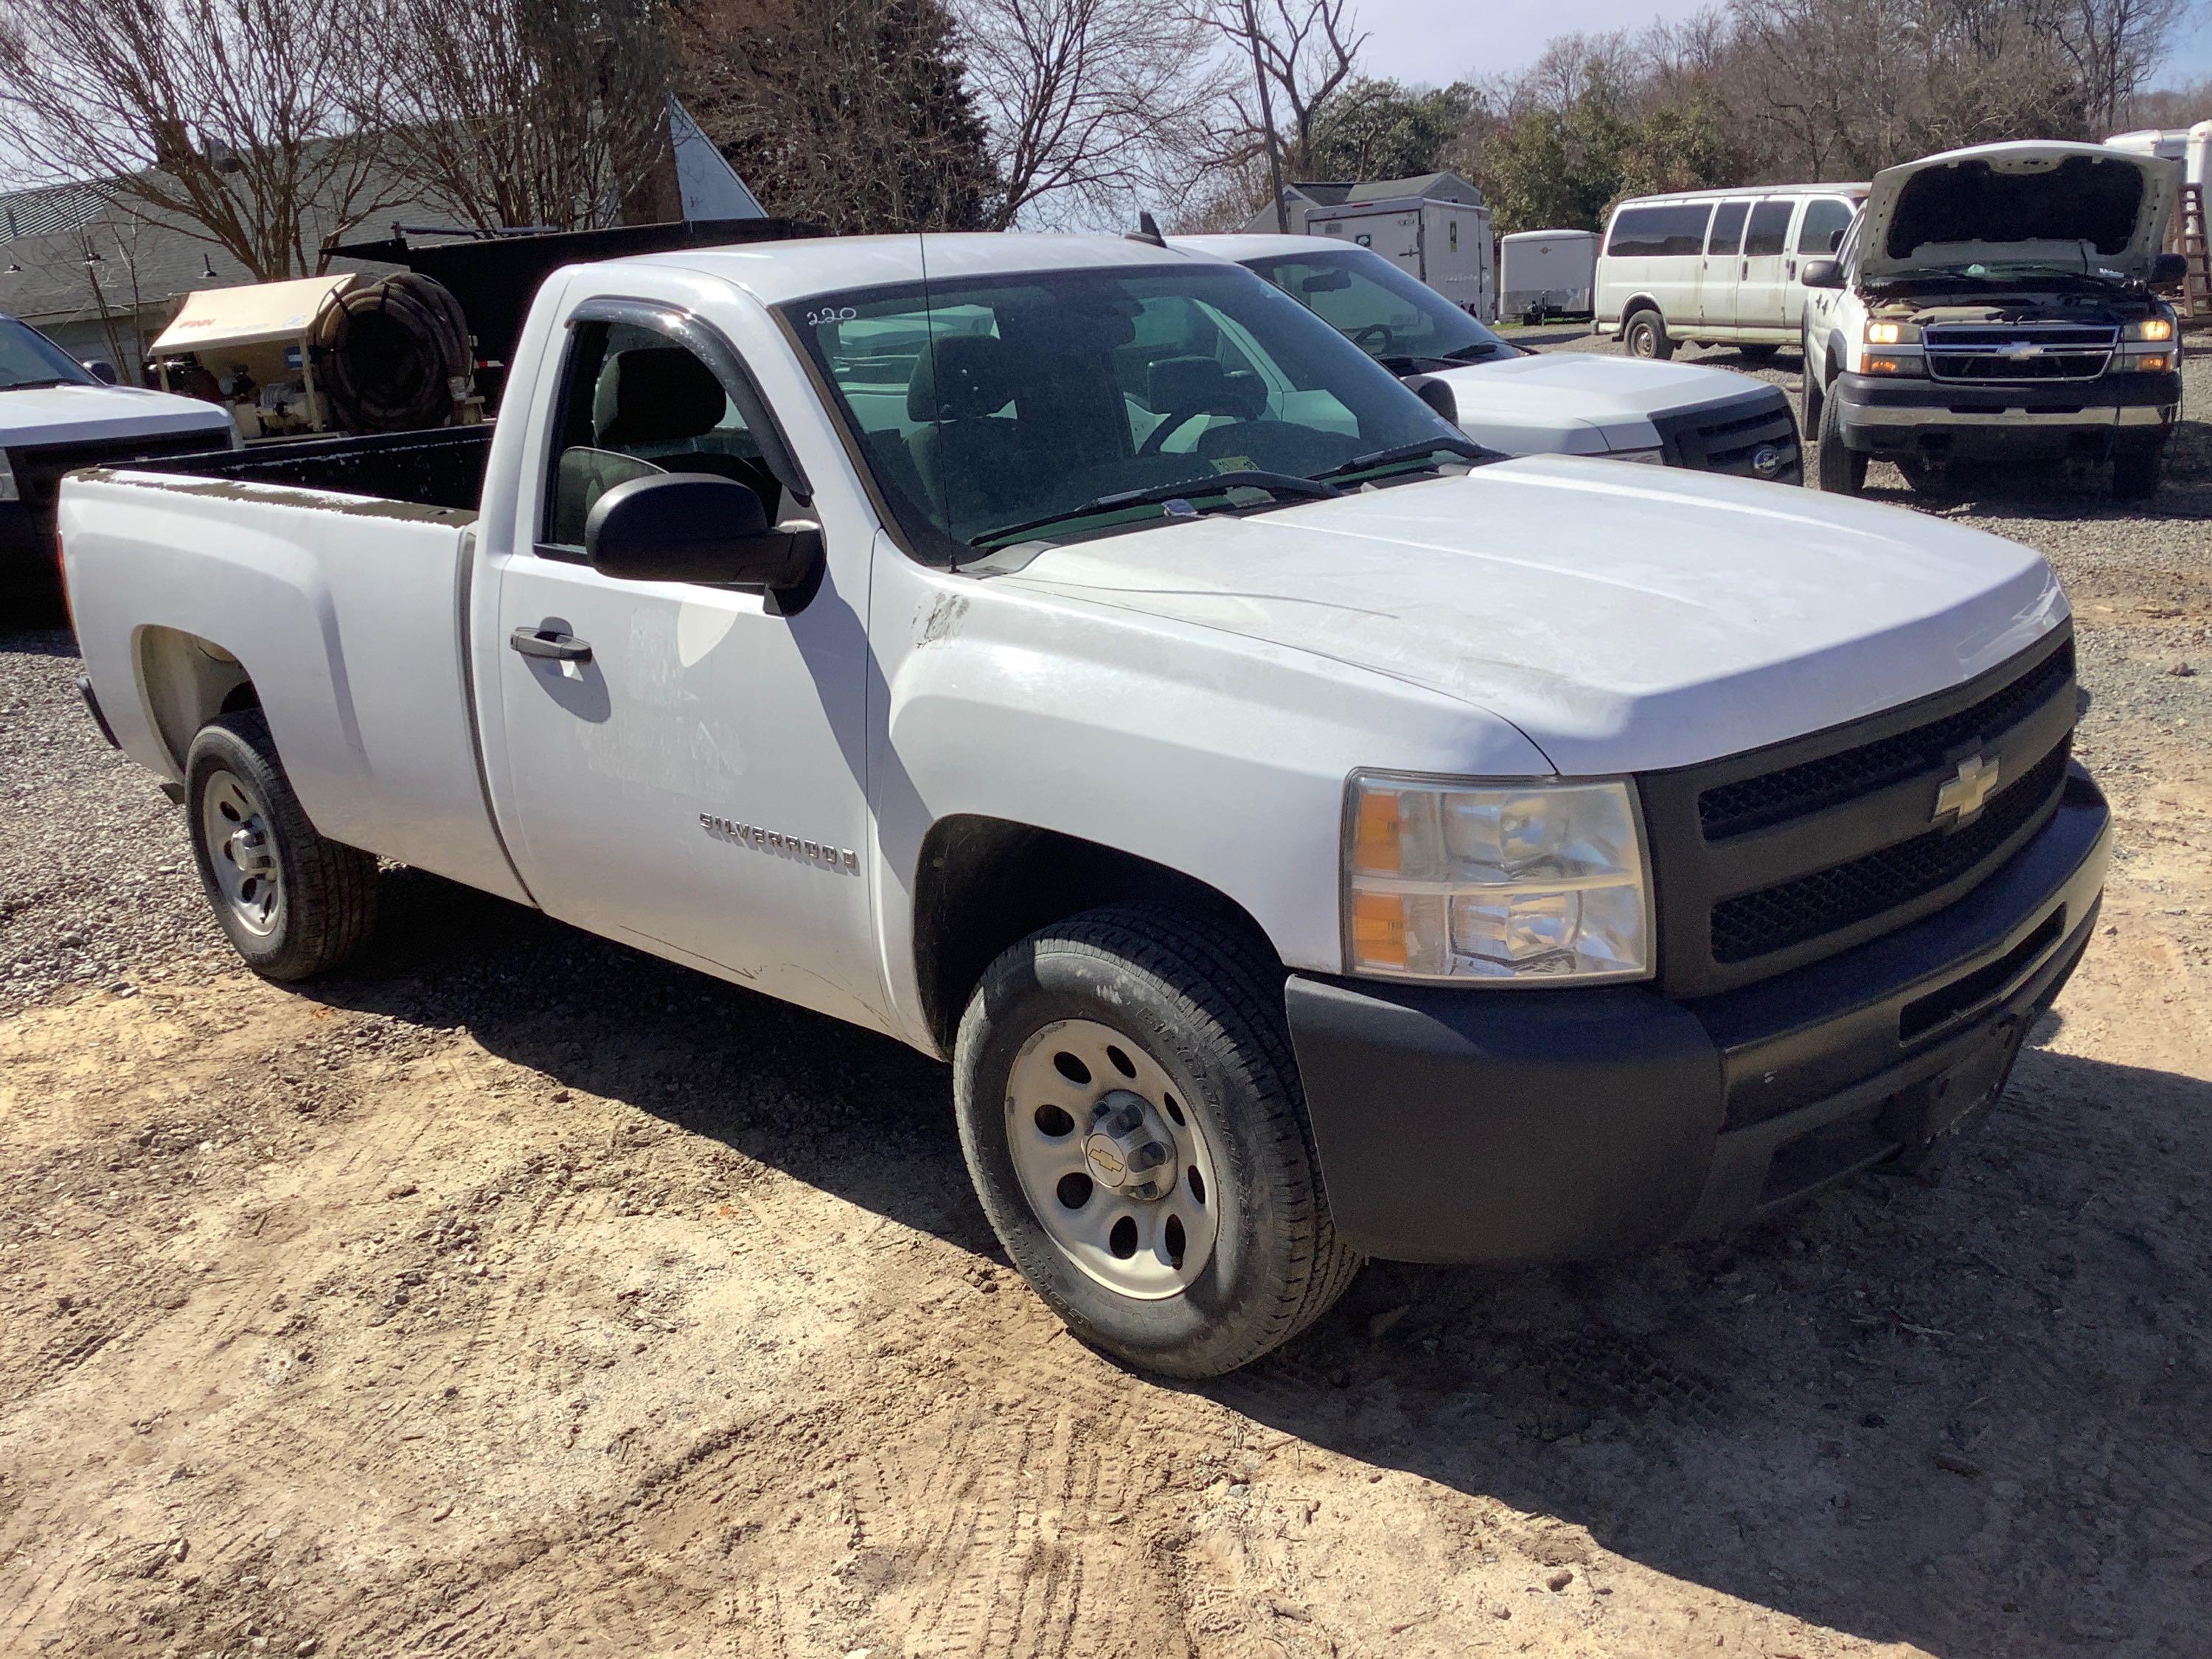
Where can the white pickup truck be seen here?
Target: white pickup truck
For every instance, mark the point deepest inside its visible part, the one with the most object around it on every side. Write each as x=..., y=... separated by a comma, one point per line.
x=1306, y=839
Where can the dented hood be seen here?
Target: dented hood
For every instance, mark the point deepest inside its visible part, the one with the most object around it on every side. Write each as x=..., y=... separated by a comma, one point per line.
x=1623, y=618
x=2079, y=207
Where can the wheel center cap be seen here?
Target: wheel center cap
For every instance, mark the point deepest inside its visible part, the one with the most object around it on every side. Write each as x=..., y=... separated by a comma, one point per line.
x=1127, y=1151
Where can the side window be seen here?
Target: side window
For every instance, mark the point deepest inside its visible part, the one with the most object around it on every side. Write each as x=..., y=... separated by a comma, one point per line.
x=1728, y=227
x=1676, y=228
x=1821, y=232
x=1770, y=230
x=634, y=402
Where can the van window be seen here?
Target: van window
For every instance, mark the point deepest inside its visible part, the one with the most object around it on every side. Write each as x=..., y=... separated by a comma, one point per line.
x=1678, y=228
x=1728, y=228
x=1770, y=230
x=1826, y=221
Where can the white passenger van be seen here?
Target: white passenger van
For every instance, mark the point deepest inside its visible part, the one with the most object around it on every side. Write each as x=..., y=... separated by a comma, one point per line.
x=1716, y=266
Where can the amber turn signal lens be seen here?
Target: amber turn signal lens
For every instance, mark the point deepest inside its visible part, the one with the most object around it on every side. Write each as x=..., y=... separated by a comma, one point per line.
x=1375, y=841
x=1378, y=929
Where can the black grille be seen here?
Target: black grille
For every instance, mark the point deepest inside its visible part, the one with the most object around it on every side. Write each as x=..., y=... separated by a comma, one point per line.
x=38, y=469
x=2004, y=352
x=1735, y=809
x=1728, y=439
x=1791, y=912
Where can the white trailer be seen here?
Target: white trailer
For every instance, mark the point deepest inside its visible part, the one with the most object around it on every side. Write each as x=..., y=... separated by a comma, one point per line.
x=1447, y=245
x=1546, y=273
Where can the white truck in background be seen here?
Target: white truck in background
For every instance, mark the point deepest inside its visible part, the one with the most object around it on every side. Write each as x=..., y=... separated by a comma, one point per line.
x=1995, y=304
x=1527, y=403
x=1306, y=837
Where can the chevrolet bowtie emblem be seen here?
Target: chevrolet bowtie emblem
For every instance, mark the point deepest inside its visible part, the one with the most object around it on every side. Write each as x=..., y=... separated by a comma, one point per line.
x=1964, y=793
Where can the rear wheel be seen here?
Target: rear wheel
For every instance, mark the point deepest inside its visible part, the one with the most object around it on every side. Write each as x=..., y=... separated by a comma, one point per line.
x=1130, y=1112
x=295, y=904
x=1843, y=470
x=2135, y=469
x=1645, y=335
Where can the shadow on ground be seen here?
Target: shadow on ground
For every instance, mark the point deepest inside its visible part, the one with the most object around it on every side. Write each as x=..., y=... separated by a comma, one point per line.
x=1972, y=1418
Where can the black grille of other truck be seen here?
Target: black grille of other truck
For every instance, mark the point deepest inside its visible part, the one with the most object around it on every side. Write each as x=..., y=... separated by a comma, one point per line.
x=2005, y=352
x=1768, y=861
x=1736, y=437
x=39, y=467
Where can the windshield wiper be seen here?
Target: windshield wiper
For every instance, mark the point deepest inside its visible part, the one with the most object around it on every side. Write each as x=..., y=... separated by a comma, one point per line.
x=1281, y=483
x=33, y=386
x=1474, y=350
x=1460, y=446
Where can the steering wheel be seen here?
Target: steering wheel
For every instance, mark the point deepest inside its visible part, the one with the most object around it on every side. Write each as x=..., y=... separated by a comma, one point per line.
x=1175, y=420
x=1388, y=338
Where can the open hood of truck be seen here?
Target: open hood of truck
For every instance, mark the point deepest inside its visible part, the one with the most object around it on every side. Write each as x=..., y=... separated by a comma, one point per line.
x=1535, y=397
x=1623, y=618
x=2079, y=207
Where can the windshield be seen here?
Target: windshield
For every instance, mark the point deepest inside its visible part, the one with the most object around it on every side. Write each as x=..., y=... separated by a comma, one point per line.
x=29, y=358
x=1394, y=318
x=990, y=407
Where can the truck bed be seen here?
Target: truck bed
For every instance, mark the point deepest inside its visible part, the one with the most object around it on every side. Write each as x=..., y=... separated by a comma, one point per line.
x=443, y=466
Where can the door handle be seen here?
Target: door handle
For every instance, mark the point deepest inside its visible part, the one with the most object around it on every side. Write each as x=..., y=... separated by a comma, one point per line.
x=551, y=648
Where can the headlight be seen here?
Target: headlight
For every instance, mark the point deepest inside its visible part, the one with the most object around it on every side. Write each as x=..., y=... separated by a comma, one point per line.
x=1649, y=457
x=1885, y=333
x=2150, y=328
x=7, y=479
x=1536, y=882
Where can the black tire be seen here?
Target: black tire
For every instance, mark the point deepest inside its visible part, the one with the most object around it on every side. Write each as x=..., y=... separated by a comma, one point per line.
x=324, y=908
x=1843, y=470
x=2135, y=469
x=1645, y=335
x=1759, y=354
x=1205, y=1004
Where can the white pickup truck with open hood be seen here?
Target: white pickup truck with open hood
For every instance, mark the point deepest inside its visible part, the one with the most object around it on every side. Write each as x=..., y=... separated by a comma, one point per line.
x=1307, y=837
x=1995, y=304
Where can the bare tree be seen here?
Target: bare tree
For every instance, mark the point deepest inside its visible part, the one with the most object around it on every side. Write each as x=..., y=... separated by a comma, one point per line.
x=227, y=117
x=1091, y=103
x=1301, y=52
x=2114, y=47
x=512, y=113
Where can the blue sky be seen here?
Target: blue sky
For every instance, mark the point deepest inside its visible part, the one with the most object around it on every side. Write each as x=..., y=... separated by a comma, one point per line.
x=1435, y=41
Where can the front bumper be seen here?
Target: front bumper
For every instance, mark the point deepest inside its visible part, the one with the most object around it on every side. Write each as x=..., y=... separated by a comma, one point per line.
x=1506, y=1126
x=1939, y=419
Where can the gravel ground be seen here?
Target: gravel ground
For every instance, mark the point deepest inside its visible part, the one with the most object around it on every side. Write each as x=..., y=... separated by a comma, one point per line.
x=517, y=1295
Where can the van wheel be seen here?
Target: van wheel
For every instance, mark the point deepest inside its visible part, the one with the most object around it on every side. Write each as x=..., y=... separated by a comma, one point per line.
x=2135, y=469
x=1645, y=336
x=1130, y=1112
x=1758, y=354
x=1843, y=470
x=295, y=904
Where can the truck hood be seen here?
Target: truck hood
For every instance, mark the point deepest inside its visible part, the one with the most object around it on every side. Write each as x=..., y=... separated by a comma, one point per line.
x=1612, y=399
x=41, y=415
x=2078, y=207
x=1624, y=619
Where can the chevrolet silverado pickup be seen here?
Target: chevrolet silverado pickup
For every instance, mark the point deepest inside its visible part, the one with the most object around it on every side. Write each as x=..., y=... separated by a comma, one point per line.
x=1307, y=836
x=1995, y=304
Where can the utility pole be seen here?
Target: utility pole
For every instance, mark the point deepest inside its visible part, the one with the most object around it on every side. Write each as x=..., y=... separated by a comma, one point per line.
x=1267, y=119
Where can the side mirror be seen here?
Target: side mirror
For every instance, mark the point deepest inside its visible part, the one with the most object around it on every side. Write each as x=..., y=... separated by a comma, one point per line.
x=1437, y=395
x=2169, y=269
x=1820, y=273
x=696, y=527
x=100, y=370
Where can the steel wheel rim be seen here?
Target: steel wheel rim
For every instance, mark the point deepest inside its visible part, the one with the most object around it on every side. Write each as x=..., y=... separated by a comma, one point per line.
x=241, y=852
x=1146, y=1246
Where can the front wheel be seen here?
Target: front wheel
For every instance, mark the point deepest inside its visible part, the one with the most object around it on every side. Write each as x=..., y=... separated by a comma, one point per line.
x=1843, y=470
x=1645, y=335
x=1130, y=1112
x=295, y=904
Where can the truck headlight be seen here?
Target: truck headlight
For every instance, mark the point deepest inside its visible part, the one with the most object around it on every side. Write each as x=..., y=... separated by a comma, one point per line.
x=1537, y=883
x=1888, y=333
x=7, y=480
x=2150, y=328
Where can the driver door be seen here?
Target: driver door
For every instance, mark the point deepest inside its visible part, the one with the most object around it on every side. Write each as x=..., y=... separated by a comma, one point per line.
x=678, y=766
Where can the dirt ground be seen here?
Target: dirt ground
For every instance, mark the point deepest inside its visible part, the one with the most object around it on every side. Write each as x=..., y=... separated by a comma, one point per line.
x=517, y=1295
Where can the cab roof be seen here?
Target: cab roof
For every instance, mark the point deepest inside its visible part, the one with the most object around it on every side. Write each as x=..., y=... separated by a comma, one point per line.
x=774, y=273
